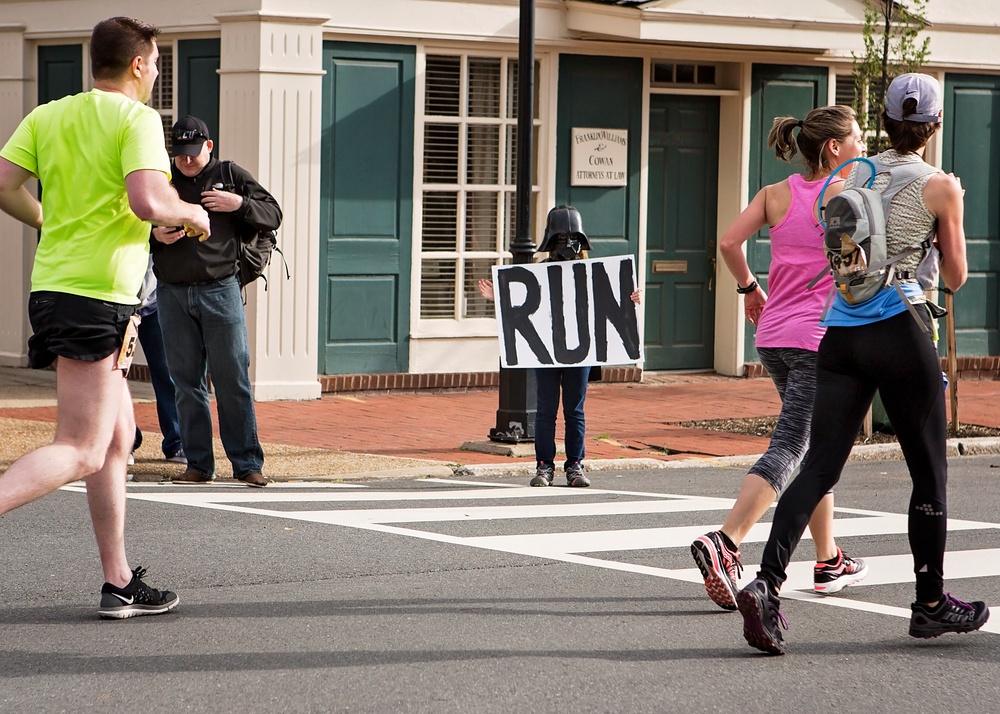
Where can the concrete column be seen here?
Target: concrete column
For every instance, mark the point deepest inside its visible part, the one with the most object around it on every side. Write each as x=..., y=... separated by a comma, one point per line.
x=18, y=240
x=271, y=91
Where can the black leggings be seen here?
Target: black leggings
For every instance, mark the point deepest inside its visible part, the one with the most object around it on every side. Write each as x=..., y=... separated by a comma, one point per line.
x=895, y=357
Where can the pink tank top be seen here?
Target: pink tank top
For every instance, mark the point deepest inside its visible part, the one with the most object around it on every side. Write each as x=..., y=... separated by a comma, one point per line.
x=791, y=314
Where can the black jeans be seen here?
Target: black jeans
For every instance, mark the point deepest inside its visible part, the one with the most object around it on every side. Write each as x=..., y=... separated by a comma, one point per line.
x=895, y=357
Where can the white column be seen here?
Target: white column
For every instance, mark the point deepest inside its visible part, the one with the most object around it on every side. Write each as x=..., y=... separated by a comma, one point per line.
x=18, y=240
x=270, y=107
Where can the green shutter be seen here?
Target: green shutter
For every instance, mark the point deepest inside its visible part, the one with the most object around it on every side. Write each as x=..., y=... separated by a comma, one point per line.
x=60, y=71
x=366, y=207
x=198, y=84
x=971, y=137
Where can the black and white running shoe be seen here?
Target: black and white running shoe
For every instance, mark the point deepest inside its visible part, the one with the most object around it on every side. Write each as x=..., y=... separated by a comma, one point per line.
x=135, y=599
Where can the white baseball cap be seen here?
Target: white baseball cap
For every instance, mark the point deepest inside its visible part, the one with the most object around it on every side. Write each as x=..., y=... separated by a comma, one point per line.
x=922, y=87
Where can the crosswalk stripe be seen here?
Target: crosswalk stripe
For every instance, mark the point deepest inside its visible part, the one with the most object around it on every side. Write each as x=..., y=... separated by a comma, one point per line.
x=520, y=503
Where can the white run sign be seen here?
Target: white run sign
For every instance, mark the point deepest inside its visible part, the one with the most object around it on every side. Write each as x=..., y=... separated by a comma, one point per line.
x=568, y=313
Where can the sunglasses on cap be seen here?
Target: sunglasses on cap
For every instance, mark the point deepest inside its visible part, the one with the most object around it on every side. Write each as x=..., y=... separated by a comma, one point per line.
x=188, y=135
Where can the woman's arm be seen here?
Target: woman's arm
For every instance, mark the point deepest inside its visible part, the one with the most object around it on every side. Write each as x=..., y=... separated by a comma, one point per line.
x=943, y=196
x=753, y=218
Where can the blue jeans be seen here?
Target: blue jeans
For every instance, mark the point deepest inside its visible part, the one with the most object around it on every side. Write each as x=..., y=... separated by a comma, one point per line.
x=573, y=381
x=204, y=329
x=151, y=340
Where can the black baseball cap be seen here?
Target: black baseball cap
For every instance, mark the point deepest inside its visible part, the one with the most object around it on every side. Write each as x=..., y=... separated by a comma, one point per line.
x=188, y=135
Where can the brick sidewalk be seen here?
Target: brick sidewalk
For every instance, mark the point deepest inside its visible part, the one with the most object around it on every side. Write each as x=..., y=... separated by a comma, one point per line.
x=627, y=420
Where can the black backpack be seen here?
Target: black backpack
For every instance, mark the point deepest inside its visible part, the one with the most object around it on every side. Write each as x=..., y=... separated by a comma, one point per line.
x=253, y=249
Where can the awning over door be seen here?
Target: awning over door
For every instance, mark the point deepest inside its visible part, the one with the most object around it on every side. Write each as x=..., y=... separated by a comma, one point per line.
x=819, y=26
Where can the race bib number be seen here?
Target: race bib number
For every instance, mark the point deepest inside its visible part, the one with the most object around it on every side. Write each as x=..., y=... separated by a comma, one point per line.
x=127, y=352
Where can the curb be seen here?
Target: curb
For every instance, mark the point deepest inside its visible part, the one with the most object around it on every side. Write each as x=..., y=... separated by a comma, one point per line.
x=978, y=446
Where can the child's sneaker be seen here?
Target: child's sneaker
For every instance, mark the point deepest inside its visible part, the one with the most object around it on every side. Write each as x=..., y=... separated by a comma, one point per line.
x=720, y=567
x=949, y=615
x=544, y=474
x=575, y=477
x=762, y=621
x=135, y=599
x=832, y=577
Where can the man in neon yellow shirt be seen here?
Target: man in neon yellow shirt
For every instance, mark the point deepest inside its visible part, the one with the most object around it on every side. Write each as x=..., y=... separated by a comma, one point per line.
x=102, y=164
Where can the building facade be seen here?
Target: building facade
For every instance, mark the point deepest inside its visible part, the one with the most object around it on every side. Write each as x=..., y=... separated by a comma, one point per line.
x=387, y=131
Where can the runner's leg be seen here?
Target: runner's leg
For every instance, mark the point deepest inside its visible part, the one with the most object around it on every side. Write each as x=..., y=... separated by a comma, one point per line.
x=106, y=497
x=88, y=395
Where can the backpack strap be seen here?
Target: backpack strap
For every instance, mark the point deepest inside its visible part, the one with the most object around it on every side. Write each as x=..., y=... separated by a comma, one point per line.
x=833, y=175
x=900, y=176
x=227, y=173
x=909, y=306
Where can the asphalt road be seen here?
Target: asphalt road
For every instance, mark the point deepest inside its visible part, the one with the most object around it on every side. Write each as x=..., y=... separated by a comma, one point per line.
x=429, y=596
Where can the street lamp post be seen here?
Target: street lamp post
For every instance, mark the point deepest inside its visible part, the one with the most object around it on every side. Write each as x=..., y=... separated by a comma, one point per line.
x=516, y=412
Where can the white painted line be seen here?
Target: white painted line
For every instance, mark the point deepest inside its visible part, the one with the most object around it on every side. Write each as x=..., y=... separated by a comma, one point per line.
x=681, y=536
x=571, y=547
x=202, y=496
x=469, y=483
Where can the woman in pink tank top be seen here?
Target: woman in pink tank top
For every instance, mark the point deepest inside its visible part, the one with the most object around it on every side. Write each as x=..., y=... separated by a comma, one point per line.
x=788, y=336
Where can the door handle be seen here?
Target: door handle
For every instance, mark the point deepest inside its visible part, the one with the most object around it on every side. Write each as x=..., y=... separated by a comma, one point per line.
x=711, y=278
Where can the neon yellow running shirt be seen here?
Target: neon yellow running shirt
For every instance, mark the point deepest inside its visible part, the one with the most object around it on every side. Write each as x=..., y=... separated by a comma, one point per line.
x=81, y=148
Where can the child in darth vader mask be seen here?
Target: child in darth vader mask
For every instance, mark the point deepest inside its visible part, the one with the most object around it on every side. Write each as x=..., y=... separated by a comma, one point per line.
x=564, y=239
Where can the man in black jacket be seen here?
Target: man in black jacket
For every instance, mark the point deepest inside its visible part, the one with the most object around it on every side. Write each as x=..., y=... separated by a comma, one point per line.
x=201, y=310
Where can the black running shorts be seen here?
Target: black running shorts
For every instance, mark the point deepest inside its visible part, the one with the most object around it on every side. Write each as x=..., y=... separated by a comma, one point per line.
x=80, y=328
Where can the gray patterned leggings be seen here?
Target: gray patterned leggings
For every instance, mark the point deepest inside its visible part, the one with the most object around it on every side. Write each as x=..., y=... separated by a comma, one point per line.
x=793, y=371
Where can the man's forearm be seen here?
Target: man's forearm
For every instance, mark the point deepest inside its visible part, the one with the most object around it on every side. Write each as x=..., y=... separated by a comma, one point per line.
x=20, y=204
x=153, y=199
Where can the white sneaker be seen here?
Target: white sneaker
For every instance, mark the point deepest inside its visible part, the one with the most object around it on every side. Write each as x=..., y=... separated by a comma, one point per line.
x=178, y=457
x=131, y=459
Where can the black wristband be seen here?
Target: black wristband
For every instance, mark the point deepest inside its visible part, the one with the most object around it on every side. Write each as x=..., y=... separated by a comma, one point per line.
x=748, y=289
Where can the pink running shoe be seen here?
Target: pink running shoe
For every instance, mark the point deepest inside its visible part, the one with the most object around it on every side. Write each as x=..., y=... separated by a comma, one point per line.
x=829, y=579
x=720, y=567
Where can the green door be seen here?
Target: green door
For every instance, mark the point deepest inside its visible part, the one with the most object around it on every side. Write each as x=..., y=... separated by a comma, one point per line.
x=776, y=91
x=366, y=207
x=971, y=134
x=60, y=71
x=198, y=84
x=681, y=231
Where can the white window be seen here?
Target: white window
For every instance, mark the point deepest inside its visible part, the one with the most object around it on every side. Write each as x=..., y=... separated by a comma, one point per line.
x=469, y=180
x=162, y=98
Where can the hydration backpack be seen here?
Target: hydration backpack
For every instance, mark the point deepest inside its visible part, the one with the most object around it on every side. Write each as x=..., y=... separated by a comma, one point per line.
x=854, y=236
x=254, y=252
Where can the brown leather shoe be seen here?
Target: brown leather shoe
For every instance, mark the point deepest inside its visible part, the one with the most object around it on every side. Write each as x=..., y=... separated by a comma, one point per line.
x=254, y=480
x=192, y=476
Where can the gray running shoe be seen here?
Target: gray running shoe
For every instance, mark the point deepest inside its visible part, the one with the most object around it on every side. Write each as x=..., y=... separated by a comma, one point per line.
x=762, y=621
x=544, y=474
x=949, y=615
x=575, y=477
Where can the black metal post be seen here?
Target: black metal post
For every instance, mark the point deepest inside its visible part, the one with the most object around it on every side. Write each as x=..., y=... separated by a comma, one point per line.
x=516, y=413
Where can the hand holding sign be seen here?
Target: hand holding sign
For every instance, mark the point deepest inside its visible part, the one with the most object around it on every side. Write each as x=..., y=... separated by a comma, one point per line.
x=559, y=313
